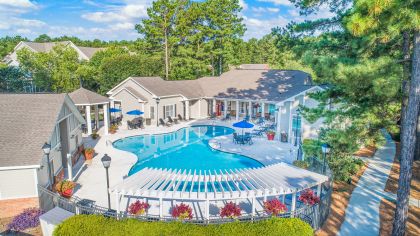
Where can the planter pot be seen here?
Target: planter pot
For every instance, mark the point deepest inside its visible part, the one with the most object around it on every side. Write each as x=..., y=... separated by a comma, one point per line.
x=270, y=136
x=67, y=194
x=89, y=155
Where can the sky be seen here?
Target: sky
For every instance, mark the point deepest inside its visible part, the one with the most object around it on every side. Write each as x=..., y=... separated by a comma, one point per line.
x=115, y=20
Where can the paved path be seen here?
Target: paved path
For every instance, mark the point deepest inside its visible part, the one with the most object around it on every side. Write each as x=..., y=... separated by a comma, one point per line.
x=362, y=213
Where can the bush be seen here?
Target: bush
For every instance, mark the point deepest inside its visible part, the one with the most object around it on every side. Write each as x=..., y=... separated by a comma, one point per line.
x=301, y=164
x=29, y=218
x=344, y=167
x=182, y=212
x=274, y=207
x=230, y=210
x=98, y=225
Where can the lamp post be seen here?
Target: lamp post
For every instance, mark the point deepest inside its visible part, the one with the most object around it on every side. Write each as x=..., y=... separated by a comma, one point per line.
x=297, y=124
x=106, y=161
x=325, y=150
x=46, y=148
x=157, y=111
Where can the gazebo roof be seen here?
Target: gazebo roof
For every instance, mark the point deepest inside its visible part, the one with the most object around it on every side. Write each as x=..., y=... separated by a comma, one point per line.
x=83, y=96
x=273, y=180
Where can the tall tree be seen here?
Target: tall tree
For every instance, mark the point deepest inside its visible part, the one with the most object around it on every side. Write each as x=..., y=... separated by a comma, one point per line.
x=160, y=26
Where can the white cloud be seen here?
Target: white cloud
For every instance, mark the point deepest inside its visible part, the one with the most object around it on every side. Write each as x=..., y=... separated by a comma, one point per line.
x=278, y=2
x=257, y=28
x=102, y=17
x=17, y=3
x=11, y=15
x=265, y=9
x=243, y=4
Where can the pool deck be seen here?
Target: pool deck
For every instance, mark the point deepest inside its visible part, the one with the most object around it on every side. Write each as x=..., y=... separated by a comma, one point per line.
x=92, y=180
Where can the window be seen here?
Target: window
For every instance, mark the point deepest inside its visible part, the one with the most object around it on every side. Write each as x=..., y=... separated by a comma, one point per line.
x=152, y=112
x=168, y=110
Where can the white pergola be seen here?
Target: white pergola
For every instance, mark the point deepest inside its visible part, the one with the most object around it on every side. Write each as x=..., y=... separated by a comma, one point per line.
x=87, y=99
x=204, y=186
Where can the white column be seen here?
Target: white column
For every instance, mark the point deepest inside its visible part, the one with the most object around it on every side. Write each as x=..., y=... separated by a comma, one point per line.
x=69, y=167
x=187, y=110
x=290, y=122
x=106, y=119
x=199, y=109
x=293, y=202
x=250, y=109
x=253, y=206
x=207, y=208
x=160, y=207
x=97, y=116
x=117, y=201
x=214, y=106
x=112, y=103
x=237, y=110
x=88, y=120
x=318, y=190
x=224, y=108
x=142, y=109
x=262, y=110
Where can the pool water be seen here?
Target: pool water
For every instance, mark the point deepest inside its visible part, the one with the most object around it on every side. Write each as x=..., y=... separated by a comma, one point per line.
x=186, y=149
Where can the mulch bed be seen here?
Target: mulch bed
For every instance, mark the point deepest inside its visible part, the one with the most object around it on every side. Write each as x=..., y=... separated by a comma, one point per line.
x=367, y=151
x=32, y=231
x=387, y=208
x=339, y=200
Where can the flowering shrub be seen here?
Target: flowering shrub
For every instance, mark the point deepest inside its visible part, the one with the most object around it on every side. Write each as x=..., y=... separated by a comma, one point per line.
x=182, y=212
x=274, y=207
x=29, y=218
x=230, y=210
x=308, y=197
x=138, y=208
x=64, y=185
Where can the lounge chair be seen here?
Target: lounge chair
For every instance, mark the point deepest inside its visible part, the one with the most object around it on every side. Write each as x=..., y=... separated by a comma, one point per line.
x=212, y=116
x=180, y=117
x=172, y=120
x=227, y=117
x=130, y=125
x=162, y=122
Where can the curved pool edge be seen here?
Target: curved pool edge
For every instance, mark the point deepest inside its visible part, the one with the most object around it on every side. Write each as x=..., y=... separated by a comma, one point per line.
x=262, y=165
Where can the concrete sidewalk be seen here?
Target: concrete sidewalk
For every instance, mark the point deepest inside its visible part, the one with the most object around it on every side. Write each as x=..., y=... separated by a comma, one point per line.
x=362, y=213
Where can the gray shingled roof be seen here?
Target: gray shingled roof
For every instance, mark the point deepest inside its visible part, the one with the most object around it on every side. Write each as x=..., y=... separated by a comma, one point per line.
x=255, y=84
x=27, y=121
x=136, y=93
x=83, y=96
x=48, y=46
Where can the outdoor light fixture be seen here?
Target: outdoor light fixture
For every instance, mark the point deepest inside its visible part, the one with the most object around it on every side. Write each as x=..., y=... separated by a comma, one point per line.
x=46, y=148
x=157, y=111
x=106, y=162
x=325, y=150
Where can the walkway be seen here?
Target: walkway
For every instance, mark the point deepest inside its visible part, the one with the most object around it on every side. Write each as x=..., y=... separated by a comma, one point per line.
x=362, y=213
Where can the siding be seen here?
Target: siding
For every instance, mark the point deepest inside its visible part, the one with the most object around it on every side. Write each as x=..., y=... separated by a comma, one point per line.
x=17, y=183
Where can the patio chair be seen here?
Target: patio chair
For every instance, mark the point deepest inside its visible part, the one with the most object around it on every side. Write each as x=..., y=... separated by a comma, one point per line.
x=212, y=116
x=161, y=122
x=248, y=140
x=227, y=117
x=168, y=122
x=130, y=125
x=180, y=117
x=172, y=120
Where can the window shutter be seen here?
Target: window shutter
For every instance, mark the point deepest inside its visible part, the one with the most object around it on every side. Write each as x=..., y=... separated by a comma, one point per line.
x=164, y=112
x=174, y=115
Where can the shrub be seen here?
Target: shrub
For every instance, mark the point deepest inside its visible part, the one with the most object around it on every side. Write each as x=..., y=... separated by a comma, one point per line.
x=308, y=197
x=230, y=210
x=64, y=185
x=29, y=218
x=301, y=164
x=182, y=212
x=82, y=225
x=138, y=208
x=274, y=207
x=344, y=167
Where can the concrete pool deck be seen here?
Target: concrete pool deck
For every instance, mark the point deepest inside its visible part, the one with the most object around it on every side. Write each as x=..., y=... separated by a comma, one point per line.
x=92, y=180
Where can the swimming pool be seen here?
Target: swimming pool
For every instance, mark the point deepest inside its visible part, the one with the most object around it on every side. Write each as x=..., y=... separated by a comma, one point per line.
x=187, y=149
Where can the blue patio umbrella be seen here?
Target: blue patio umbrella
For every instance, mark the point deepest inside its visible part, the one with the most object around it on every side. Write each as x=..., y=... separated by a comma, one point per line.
x=135, y=112
x=114, y=110
x=243, y=124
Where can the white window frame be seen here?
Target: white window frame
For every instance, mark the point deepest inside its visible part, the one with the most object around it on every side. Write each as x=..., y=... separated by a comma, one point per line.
x=169, y=112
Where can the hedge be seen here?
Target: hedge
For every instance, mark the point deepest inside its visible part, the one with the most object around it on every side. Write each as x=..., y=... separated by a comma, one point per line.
x=84, y=225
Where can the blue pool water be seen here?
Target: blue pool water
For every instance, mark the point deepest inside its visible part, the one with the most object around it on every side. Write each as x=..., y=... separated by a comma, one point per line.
x=187, y=148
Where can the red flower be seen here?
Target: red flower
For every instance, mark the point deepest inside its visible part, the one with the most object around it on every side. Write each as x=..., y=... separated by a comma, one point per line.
x=138, y=208
x=230, y=210
x=182, y=212
x=308, y=197
x=274, y=207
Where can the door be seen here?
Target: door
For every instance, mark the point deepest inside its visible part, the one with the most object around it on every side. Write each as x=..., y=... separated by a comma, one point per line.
x=64, y=140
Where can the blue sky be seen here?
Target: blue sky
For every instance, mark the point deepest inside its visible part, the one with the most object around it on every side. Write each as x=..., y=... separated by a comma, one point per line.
x=115, y=20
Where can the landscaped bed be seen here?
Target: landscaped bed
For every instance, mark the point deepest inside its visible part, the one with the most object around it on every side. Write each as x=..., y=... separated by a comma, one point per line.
x=98, y=225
